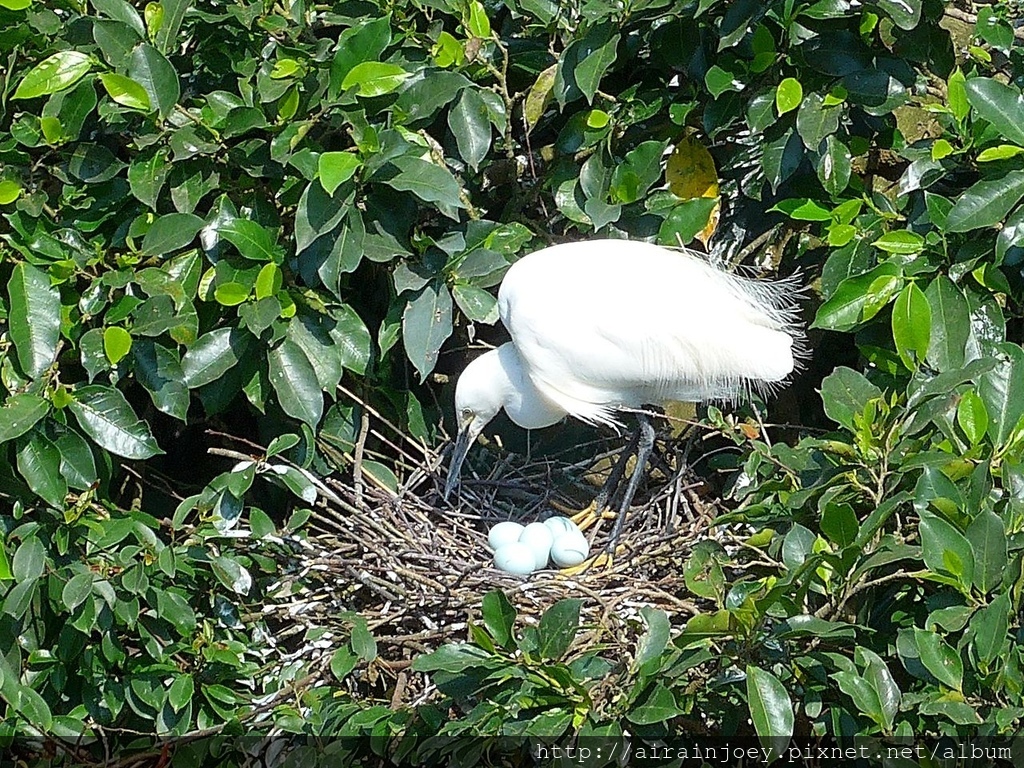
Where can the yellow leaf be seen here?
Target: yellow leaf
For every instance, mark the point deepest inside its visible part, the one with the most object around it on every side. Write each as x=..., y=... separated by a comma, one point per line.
x=680, y=415
x=705, y=234
x=539, y=97
x=691, y=171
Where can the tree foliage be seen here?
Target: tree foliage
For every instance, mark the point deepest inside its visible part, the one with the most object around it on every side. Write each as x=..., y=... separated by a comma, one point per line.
x=221, y=211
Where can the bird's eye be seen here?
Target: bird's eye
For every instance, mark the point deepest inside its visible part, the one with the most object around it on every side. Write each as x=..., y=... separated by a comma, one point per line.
x=467, y=413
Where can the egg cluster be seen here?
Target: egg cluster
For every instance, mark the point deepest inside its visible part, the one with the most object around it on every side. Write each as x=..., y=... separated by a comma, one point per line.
x=523, y=549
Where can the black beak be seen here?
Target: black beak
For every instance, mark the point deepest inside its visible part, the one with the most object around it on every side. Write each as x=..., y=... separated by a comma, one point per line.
x=462, y=443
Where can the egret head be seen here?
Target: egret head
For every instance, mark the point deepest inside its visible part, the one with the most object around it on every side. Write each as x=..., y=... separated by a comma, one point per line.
x=479, y=395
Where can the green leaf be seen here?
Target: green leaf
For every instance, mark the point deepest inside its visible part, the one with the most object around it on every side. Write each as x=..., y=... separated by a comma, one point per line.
x=121, y=11
x=987, y=536
x=34, y=709
x=815, y=122
x=881, y=680
x=428, y=181
x=1002, y=391
x=911, y=325
x=788, y=95
x=770, y=709
x=125, y=91
x=171, y=232
x=839, y=522
x=181, y=692
x=1000, y=104
x=166, y=36
x=584, y=62
x=365, y=41
x=1002, y=152
x=253, y=240
x=10, y=190
x=374, y=78
x=76, y=590
x=655, y=638
x=470, y=123
x=76, y=460
x=476, y=21
x=343, y=661
x=54, y=73
x=34, y=318
x=990, y=625
x=29, y=561
x=854, y=299
x=335, y=168
x=351, y=339
x=658, y=706
x=844, y=393
x=834, y=166
x=557, y=628
x=157, y=76
x=986, y=203
x=905, y=13
x=268, y=281
x=499, y=618
x=476, y=303
x=117, y=342
x=901, y=241
x=39, y=464
x=945, y=549
x=19, y=414
x=105, y=415
x=212, y=355
x=972, y=416
x=294, y=380
x=426, y=323
x=951, y=324
x=147, y=175
x=939, y=658
x=158, y=370
x=362, y=640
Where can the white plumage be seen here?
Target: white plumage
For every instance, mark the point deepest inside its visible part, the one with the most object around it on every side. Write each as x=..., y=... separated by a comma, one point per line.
x=609, y=325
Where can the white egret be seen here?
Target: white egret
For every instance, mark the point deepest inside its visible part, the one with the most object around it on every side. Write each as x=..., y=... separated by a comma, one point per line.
x=610, y=326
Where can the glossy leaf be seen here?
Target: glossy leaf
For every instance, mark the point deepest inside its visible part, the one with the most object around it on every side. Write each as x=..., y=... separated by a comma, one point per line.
x=19, y=414
x=38, y=463
x=374, y=78
x=426, y=323
x=557, y=628
x=335, y=168
x=157, y=76
x=294, y=380
x=844, y=393
x=104, y=414
x=911, y=325
x=951, y=324
x=55, y=73
x=998, y=103
x=986, y=203
x=34, y=318
x=1002, y=391
x=987, y=536
x=770, y=709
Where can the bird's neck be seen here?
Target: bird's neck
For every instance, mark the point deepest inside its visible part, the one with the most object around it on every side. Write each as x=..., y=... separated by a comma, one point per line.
x=523, y=402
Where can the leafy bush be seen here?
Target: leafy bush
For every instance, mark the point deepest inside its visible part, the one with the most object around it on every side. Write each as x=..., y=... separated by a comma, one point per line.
x=217, y=213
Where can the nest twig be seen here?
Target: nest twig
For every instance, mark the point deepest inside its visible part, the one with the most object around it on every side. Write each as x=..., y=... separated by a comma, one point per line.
x=417, y=568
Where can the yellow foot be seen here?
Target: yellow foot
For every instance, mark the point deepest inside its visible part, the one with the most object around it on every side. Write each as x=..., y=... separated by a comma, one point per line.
x=604, y=560
x=584, y=518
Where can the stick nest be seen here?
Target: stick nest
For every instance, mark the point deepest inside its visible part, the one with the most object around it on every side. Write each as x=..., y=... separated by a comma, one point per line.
x=417, y=568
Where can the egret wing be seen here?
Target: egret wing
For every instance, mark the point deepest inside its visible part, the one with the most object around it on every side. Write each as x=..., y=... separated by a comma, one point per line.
x=610, y=324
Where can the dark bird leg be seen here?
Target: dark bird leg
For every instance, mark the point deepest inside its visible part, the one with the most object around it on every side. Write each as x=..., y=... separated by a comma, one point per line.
x=644, y=439
x=587, y=517
x=611, y=485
